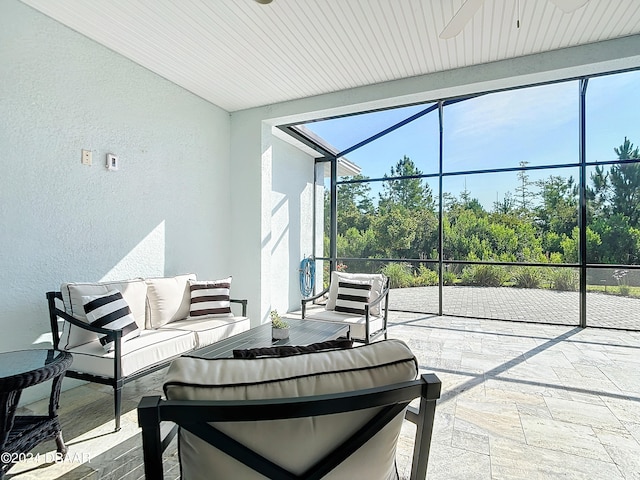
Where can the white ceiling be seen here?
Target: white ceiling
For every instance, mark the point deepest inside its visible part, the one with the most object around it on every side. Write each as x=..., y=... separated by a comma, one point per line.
x=238, y=54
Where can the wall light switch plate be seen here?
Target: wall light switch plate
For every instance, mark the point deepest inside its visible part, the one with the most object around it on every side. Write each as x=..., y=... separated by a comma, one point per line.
x=112, y=162
x=86, y=157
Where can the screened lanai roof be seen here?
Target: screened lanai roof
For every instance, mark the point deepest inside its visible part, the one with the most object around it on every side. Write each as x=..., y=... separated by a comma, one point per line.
x=346, y=168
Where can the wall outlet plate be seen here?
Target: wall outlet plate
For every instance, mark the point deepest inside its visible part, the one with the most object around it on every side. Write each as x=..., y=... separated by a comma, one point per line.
x=112, y=162
x=86, y=157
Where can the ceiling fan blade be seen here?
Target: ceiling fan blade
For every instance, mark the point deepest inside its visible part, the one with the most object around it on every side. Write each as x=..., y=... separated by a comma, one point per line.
x=568, y=6
x=460, y=19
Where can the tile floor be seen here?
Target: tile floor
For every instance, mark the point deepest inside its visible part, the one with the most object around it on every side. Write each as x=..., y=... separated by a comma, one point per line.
x=519, y=401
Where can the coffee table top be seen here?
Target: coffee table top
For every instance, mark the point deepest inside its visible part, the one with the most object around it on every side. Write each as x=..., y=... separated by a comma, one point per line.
x=23, y=368
x=301, y=332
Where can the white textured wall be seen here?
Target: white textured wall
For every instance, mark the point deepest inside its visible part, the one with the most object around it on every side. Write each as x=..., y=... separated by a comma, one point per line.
x=165, y=212
x=291, y=223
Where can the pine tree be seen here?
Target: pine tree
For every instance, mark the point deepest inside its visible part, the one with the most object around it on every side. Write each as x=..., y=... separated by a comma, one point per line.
x=625, y=183
x=410, y=193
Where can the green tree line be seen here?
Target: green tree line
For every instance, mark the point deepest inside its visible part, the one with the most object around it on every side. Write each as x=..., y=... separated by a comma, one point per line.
x=536, y=223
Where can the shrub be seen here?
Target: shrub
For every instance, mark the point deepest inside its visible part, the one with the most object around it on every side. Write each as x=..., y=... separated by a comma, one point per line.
x=449, y=278
x=426, y=277
x=399, y=274
x=624, y=290
x=484, y=275
x=564, y=279
x=527, y=277
x=621, y=278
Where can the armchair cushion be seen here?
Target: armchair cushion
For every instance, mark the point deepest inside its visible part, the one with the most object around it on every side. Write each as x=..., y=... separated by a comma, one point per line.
x=295, y=444
x=377, y=286
x=356, y=323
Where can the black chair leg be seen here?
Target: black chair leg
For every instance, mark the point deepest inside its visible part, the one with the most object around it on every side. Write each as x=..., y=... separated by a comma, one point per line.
x=61, y=448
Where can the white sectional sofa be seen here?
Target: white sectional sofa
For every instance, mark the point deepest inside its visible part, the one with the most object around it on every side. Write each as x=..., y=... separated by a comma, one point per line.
x=159, y=319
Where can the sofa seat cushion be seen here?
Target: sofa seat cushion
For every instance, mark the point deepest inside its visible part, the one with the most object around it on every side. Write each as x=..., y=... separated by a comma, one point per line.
x=134, y=292
x=211, y=329
x=356, y=322
x=168, y=299
x=295, y=444
x=150, y=348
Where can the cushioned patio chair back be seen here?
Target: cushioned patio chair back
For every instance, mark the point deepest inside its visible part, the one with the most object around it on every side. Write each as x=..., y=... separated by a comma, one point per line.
x=334, y=414
x=360, y=300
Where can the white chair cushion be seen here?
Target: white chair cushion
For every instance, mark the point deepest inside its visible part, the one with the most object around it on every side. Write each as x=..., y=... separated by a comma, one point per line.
x=377, y=286
x=211, y=329
x=150, y=348
x=134, y=293
x=168, y=299
x=356, y=322
x=295, y=444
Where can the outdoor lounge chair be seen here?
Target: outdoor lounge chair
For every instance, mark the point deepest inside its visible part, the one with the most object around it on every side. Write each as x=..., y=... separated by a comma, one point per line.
x=358, y=299
x=328, y=414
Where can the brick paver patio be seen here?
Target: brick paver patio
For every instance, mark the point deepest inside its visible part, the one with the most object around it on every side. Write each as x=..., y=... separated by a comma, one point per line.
x=521, y=304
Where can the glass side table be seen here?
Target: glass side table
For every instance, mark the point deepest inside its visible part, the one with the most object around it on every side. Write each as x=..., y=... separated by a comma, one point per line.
x=20, y=433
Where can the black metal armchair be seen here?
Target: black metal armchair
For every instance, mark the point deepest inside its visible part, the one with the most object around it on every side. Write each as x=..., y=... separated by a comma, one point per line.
x=367, y=322
x=348, y=433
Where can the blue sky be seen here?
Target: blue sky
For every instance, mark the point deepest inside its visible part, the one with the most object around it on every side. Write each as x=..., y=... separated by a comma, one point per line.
x=538, y=125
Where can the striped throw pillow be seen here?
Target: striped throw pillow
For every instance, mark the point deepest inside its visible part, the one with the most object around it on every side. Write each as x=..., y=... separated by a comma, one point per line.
x=110, y=311
x=352, y=297
x=210, y=298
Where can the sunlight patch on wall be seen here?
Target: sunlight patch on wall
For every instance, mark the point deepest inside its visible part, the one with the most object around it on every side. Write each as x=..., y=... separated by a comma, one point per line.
x=146, y=259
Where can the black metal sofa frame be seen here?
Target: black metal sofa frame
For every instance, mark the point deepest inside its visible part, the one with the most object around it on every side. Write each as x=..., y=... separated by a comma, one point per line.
x=195, y=415
x=118, y=381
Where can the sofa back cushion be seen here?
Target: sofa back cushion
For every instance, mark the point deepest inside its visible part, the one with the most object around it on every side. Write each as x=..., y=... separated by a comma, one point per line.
x=377, y=281
x=298, y=443
x=167, y=299
x=133, y=291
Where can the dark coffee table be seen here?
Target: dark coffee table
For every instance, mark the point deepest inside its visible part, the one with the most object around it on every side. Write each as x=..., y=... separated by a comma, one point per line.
x=301, y=332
